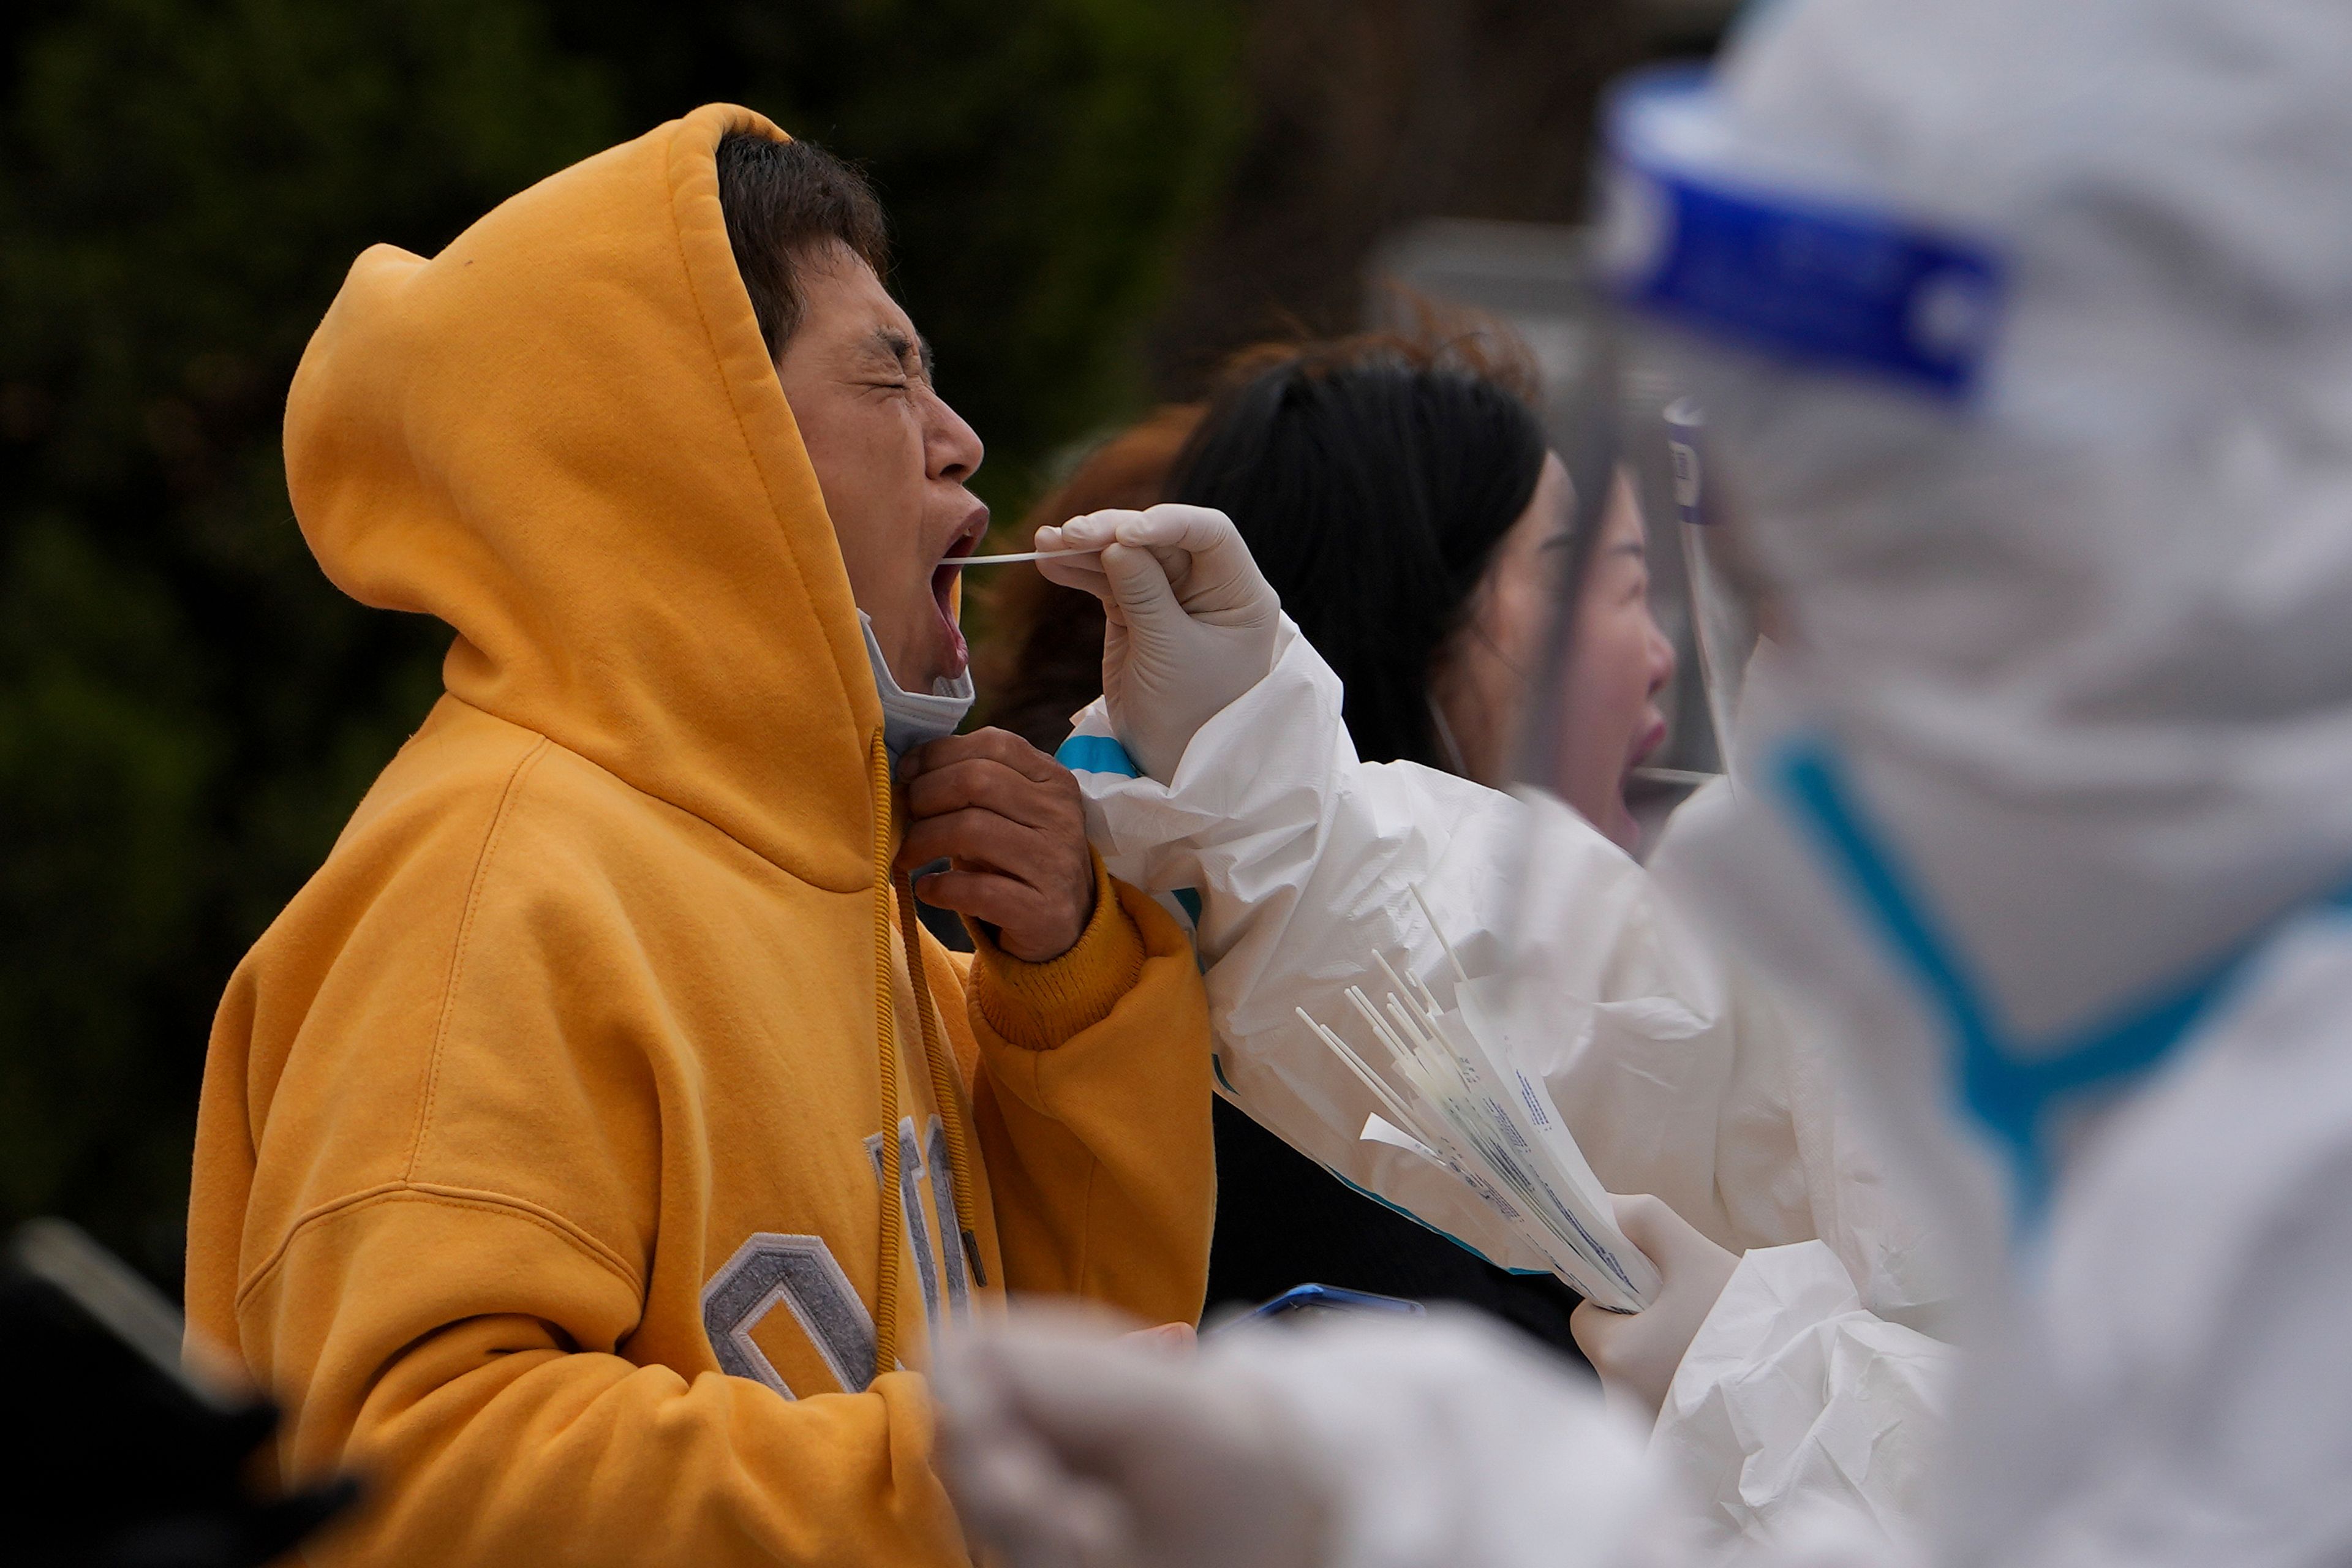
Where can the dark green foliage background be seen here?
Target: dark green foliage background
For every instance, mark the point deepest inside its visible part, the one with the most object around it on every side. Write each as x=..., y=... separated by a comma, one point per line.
x=187, y=709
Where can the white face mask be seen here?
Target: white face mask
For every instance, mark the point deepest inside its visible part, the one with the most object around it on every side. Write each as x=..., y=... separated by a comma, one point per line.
x=909, y=720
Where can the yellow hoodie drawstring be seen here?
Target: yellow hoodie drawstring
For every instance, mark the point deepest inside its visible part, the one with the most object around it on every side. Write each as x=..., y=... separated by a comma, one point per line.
x=945, y=1087
x=886, y=1011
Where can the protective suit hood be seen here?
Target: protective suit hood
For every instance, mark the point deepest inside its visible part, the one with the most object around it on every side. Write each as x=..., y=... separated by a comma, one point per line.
x=2074, y=680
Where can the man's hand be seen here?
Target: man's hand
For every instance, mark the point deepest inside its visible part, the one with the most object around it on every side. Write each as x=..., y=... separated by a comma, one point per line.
x=1012, y=824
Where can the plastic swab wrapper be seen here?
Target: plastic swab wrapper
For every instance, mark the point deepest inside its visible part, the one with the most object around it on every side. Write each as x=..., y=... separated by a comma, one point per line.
x=1454, y=1093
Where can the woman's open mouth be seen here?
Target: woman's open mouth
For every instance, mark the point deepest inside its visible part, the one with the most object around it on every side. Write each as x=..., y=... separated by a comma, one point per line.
x=1646, y=743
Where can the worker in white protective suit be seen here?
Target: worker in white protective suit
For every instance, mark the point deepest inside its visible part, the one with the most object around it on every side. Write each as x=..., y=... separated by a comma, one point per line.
x=2025, y=332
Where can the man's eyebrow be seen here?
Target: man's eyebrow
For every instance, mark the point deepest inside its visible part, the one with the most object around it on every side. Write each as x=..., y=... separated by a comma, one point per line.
x=895, y=346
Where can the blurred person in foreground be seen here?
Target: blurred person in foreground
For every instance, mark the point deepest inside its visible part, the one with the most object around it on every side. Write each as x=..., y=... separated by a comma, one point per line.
x=2045, y=803
x=587, y=1153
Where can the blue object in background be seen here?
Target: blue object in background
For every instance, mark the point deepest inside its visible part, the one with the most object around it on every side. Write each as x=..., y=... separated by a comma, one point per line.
x=1315, y=1299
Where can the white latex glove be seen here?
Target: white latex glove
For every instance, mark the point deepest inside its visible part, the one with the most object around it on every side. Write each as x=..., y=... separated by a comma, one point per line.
x=1637, y=1353
x=1191, y=620
x=1066, y=1447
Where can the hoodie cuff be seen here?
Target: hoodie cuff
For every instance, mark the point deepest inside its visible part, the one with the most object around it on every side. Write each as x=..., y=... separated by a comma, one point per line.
x=1037, y=1006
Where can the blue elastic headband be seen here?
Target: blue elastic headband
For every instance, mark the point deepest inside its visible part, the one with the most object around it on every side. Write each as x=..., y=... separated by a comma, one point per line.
x=1833, y=284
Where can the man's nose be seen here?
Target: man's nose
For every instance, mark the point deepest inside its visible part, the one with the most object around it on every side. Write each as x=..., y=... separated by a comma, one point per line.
x=951, y=448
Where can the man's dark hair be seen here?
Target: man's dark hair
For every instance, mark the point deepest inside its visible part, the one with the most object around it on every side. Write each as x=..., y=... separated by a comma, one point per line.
x=782, y=201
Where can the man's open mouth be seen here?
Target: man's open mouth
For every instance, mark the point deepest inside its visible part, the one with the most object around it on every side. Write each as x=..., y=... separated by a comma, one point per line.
x=943, y=582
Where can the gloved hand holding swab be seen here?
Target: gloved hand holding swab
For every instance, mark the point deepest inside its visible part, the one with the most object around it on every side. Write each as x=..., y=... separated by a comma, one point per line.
x=1190, y=621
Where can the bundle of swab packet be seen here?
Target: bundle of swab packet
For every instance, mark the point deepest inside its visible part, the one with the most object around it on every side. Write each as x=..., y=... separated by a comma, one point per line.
x=1452, y=1095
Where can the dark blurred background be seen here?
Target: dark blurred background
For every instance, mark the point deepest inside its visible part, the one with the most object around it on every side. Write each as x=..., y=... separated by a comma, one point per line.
x=1093, y=200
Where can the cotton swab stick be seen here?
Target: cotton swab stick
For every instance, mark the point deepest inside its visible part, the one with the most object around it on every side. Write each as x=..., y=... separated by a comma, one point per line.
x=1408, y=1065
x=1390, y=1099
x=1451, y=956
x=1388, y=1037
x=1406, y=1022
x=1389, y=970
x=1428, y=1001
x=1423, y=1007
x=961, y=561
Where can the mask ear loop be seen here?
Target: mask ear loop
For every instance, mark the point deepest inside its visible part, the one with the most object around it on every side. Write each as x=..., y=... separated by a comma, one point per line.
x=947, y=1088
x=886, y=1028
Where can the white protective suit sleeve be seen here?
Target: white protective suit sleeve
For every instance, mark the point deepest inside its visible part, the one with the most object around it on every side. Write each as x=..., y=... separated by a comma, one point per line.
x=1793, y=1400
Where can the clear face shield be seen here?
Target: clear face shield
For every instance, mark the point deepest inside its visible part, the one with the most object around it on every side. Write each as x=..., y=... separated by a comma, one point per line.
x=1633, y=442
x=1723, y=595
x=1646, y=502
x=1717, y=270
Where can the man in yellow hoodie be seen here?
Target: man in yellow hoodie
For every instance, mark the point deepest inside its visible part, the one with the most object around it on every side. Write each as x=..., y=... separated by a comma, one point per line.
x=580, y=1152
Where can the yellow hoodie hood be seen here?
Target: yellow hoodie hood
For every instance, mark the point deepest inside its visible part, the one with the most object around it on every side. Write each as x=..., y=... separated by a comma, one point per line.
x=564, y=436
